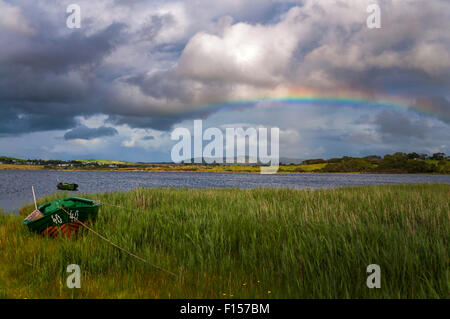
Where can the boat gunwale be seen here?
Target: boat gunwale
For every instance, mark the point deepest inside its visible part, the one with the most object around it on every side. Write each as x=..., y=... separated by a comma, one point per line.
x=59, y=209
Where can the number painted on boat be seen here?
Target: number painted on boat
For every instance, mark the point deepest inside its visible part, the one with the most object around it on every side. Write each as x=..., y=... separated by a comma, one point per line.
x=56, y=219
x=73, y=215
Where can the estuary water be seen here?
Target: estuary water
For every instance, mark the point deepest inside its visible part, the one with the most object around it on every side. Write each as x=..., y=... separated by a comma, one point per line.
x=15, y=185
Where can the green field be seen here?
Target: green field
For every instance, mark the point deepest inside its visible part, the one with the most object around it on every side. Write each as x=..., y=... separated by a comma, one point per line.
x=230, y=243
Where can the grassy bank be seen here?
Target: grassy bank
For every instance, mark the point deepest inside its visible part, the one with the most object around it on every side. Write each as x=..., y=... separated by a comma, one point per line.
x=229, y=243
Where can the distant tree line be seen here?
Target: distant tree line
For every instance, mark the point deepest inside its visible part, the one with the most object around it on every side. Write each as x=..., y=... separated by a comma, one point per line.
x=390, y=163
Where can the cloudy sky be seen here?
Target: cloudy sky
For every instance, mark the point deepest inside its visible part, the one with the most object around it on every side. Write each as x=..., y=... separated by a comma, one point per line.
x=116, y=87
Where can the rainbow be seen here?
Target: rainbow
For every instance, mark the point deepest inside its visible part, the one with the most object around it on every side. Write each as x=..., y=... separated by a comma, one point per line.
x=342, y=99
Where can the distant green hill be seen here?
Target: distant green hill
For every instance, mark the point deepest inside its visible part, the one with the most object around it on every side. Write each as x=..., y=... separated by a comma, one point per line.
x=5, y=158
x=102, y=161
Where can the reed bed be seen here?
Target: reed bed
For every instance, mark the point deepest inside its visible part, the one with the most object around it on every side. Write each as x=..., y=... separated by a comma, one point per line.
x=234, y=243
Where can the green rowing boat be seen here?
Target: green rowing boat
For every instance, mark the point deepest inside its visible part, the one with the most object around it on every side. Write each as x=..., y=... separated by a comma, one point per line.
x=62, y=216
x=67, y=186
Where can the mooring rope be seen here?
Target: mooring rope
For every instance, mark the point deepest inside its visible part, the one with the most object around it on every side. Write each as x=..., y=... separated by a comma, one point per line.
x=117, y=246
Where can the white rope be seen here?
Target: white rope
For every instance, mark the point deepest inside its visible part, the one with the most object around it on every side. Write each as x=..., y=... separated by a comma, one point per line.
x=117, y=246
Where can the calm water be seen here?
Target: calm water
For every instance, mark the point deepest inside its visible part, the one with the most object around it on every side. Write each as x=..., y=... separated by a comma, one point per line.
x=15, y=186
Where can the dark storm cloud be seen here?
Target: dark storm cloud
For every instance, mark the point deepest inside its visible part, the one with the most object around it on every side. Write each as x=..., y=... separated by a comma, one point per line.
x=392, y=124
x=162, y=85
x=438, y=106
x=148, y=138
x=416, y=84
x=162, y=123
x=86, y=133
x=53, y=54
x=14, y=123
x=158, y=122
x=45, y=81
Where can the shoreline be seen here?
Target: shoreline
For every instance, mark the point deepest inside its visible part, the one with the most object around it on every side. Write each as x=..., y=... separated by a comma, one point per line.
x=256, y=170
